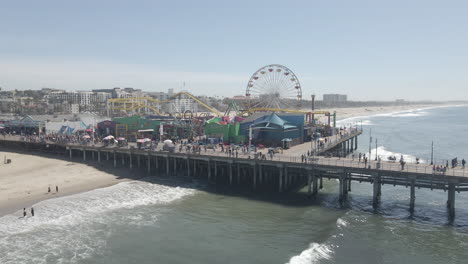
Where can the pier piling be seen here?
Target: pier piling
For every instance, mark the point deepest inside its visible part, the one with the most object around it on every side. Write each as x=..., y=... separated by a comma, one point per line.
x=412, y=195
x=451, y=201
x=376, y=192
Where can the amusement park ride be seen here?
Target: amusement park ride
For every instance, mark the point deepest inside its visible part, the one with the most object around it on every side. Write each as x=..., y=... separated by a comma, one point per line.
x=272, y=88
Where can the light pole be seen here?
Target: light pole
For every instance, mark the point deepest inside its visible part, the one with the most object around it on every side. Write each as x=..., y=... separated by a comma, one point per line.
x=432, y=153
x=375, y=148
x=370, y=142
x=250, y=138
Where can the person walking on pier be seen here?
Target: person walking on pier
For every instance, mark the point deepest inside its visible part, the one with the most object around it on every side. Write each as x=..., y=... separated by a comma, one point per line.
x=463, y=163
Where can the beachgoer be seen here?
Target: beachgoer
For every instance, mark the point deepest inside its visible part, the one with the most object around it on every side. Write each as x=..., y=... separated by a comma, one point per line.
x=24, y=212
x=32, y=211
x=463, y=163
x=360, y=156
x=56, y=188
x=48, y=190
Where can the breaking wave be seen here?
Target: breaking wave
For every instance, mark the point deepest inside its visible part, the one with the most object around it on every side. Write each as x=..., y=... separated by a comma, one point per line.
x=72, y=228
x=384, y=154
x=313, y=254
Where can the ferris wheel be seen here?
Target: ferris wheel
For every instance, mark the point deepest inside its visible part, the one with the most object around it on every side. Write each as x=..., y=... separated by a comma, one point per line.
x=274, y=86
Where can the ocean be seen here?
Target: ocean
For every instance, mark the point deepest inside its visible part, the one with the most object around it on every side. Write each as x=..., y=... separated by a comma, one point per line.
x=170, y=221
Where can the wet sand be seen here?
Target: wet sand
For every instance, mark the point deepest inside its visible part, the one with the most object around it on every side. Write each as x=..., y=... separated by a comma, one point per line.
x=25, y=181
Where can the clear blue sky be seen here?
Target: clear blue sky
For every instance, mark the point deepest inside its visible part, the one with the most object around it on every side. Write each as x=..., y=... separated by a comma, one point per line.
x=367, y=49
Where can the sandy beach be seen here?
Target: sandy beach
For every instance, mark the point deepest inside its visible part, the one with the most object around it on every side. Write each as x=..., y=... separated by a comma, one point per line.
x=25, y=181
x=344, y=113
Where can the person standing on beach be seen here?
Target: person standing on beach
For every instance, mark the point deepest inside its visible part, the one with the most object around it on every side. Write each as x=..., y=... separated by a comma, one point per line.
x=360, y=156
x=463, y=163
x=24, y=212
x=48, y=190
x=32, y=211
x=56, y=188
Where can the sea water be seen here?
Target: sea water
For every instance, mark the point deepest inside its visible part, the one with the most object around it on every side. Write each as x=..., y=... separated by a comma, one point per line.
x=167, y=221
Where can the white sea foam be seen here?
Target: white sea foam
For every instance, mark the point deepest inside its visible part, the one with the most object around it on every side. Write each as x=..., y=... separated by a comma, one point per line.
x=313, y=254
x=70, y=229
x=384, y=153
x=341, y=223
x=405, y=113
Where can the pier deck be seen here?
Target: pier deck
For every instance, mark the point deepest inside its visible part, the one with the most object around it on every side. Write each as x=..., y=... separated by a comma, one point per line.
x=283, y=173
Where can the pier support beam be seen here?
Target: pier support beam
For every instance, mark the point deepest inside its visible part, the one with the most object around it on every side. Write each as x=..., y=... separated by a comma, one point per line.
x=209, y=170
x=138, y=161
x=71, y=155
x=167, y=166
x=92, y=155
x=343, y=187
x=115, y=159
x=238, y=173
x=188, y=167
x=321, y=183
x=130, y=162
x=355, y=142
x=309, y=182
x=107, y=155
x=149, y=164
x=156, y=163
x=315, y=183
x=286, y=178
x=260, y=173
x=280, y=179
x=230, y=173
x=84, y=155
x=451, y=201
x=99, y=156
x=412, y=195
x=215, y=171
x=349, y=182
x=255, y=176
x=175, y=166
x=377, y=192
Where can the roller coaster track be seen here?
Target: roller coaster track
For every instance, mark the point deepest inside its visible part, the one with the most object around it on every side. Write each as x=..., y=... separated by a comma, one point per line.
x=139, y=105
x=252, y=110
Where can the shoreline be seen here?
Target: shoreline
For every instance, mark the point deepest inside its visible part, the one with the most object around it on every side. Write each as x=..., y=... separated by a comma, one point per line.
x=25, y=181
x=366, y=112
x=24, y=186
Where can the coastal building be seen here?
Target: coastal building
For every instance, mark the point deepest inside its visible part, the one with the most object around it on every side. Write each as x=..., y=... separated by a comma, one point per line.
x=335, y=98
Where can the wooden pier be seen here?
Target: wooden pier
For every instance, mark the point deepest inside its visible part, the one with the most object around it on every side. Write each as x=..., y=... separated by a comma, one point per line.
x=275, y=176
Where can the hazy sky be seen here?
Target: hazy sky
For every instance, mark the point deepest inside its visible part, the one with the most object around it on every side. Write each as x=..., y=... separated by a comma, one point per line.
x=412, y=49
